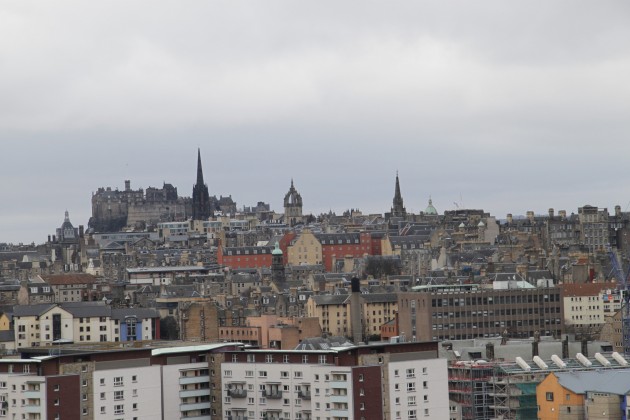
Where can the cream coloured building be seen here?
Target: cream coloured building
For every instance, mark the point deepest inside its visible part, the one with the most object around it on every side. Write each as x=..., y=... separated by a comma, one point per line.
x=305, y=249
x=333, y=312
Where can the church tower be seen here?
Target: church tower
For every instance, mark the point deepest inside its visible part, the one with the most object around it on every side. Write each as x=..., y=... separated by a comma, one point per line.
x=398, y=209
x=277, y=266
x=200, y=198
x=292, y=207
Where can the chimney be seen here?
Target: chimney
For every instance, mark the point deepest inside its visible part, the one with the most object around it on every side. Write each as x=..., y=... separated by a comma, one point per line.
x=127, y=185
x=355, y=311
x=534, y=348
x=562, y=214
x=585, y=347
x=530, y=215
x=509, y=218
x=565, y=347
x=81, y=231
x=551, y=213
x=617, y=210
x=490, y=351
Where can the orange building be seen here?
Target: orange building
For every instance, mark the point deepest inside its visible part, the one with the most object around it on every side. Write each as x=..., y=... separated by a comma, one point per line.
x=557, y=402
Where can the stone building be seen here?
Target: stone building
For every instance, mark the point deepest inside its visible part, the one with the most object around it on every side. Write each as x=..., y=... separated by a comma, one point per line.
x=112, y=210
x=293, y=207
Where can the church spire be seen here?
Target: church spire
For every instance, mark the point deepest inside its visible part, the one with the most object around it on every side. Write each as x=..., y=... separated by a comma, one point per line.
x=398, y=209
x=201, y=209
x=199, y=169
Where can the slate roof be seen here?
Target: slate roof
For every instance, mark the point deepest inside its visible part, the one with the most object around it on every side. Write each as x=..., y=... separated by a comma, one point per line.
x=329, y=299
x=32, y=310
x=605, y=381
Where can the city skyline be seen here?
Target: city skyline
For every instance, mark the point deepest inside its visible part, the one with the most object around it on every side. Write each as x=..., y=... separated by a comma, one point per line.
x=503, y=107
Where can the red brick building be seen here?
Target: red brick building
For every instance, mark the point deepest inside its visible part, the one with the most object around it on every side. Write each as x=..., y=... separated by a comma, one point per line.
x=337, y=246
x=245, y=256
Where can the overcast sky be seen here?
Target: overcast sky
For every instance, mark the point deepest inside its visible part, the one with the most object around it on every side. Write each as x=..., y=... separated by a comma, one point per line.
x=505, y=106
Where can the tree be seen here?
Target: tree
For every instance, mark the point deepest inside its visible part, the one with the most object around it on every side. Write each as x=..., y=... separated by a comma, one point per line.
x=169, y=330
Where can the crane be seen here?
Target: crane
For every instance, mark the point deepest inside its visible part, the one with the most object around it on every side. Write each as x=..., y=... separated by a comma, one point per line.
x=622, y=286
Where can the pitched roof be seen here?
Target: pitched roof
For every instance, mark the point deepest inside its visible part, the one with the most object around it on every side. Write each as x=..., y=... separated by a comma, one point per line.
x=66, y=279
x=32, y=310
x=607, y=381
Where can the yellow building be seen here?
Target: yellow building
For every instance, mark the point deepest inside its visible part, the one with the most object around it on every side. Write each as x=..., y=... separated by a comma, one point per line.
x=305, y=249
x=333, y=312
x=5, y=322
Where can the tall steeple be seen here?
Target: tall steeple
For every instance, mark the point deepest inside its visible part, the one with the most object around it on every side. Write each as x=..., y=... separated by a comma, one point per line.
x=398, y=209
x=199, y=170
x=200, y=197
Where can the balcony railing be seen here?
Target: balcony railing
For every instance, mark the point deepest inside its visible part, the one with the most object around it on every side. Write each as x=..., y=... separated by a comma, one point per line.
x=272, y=395
x=237, y=393
x=305, y=395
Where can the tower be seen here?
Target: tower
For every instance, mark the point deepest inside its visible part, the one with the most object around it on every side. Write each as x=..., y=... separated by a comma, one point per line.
x=277, y=266
x=200, y=198
x=398, y=209
x=292, y=206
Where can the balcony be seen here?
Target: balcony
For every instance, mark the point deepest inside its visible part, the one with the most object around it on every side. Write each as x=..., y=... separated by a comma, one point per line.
x=272, y=395
x=237, y=393
x=194, y=393
x=305, y=395
x=187, y=380
x=195, y=406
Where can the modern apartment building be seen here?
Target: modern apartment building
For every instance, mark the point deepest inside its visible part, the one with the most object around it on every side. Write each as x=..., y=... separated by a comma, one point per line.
x=379, y=381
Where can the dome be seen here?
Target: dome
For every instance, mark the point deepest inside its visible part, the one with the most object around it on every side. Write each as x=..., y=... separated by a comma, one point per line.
x=430, y=209
x=277, y=250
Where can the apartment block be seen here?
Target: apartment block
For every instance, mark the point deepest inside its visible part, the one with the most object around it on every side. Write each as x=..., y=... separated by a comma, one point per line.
x=379, y=381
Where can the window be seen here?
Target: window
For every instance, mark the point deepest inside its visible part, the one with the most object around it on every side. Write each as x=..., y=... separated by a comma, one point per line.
x=305, y=358
x=297, y=374
x=284, y=374
x=227, y=373
x=119, y=395
x=411, y=400
x=56, y=401
x=322, y=359
x=134, y=378
x=84, y=411
x=425, y=384
x=102, y=381
x=549, y=396
x=84, y=382
x=249, y=373
x=119, y=409
x=262, y=374
x=285, y=358
x=56, y=387
x=360, y=377
x=411, y=386
x=269, y=358
x=411, y=414
x=103, y=409
x=411, y=373
x=102, y=395
x=118, y=381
